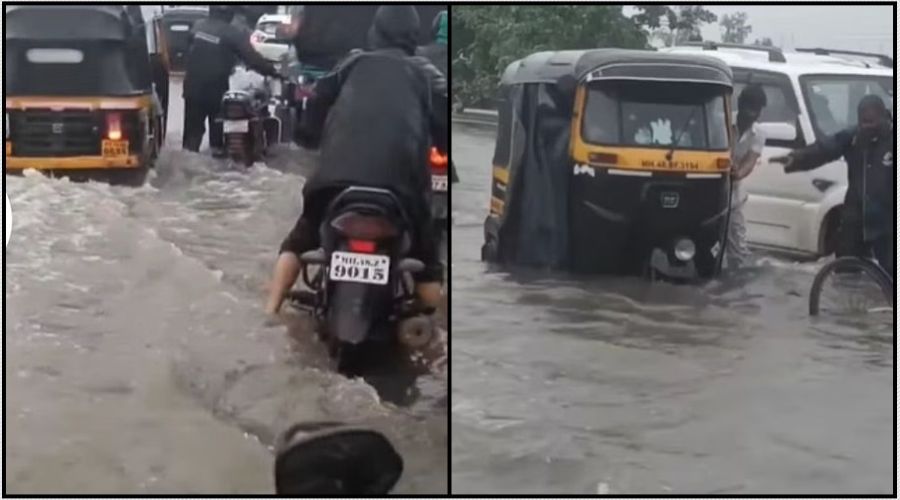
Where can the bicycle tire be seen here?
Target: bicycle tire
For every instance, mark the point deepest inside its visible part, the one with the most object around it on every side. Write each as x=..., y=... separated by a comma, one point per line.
x=872, y=270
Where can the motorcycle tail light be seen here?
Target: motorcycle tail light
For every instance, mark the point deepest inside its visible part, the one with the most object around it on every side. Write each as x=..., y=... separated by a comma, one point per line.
x=362, y=246
x=364, y=227
x=303, y=91
x=437, y=161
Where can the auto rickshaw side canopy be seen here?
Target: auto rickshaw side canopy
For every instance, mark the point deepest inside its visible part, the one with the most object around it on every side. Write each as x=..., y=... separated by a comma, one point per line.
x=532, y=161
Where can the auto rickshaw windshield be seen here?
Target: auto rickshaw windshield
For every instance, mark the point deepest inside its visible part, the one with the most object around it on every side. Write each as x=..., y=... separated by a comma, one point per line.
x=656, y=114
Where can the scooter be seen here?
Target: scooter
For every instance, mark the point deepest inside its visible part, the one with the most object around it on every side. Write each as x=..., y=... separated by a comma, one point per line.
x=363, y=293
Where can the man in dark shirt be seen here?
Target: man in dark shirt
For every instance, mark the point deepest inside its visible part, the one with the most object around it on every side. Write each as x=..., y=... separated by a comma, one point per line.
x=215, y=47
x=867, y=217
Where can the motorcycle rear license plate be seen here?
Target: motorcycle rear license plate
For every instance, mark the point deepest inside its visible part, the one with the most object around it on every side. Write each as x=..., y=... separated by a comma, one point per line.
x=439, y=183
x=360, y=268
x=236, y=126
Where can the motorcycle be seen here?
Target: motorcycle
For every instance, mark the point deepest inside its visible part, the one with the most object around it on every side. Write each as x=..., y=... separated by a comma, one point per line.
x=439, y=203
x=363, y=293
x=249, y=124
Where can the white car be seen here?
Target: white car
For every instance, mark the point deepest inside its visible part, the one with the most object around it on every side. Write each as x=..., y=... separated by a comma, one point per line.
x=810, y=94
x=265, y=40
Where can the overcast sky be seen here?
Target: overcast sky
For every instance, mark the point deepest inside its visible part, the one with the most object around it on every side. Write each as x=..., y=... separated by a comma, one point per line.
x=866, y=28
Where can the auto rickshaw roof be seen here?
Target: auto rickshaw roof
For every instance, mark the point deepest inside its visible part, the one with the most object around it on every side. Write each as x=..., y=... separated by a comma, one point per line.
x=186, y=12
x=69, y=22
x=548, y=67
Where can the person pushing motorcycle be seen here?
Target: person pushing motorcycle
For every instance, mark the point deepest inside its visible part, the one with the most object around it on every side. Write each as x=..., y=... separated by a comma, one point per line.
x=867, y=216
x=215, y=47
x=373, y=118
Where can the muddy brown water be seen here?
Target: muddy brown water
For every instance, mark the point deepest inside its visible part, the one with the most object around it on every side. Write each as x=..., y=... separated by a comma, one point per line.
x=573, y=385
x=137, y=356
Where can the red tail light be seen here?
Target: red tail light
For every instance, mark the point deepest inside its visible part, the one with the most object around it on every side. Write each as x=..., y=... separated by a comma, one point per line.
x=437, y=161
x=362, y=246
x=302, y=91
x=114, y=126
x=364, y=227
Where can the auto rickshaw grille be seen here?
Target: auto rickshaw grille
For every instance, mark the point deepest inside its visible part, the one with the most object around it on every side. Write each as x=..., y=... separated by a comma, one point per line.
x=42, y=133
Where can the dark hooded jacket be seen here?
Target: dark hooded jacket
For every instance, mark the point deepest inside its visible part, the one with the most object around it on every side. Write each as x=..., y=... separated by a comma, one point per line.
x=216, y=46
x=870, y=176
x=436, y=52
x=373, y=117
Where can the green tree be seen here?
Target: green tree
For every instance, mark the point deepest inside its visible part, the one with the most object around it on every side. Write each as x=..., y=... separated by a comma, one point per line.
x=485, y=39
x=735, y=28
x=673, y=25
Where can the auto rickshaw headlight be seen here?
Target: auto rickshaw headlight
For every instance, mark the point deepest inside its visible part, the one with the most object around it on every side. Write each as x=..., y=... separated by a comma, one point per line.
x=685, y=249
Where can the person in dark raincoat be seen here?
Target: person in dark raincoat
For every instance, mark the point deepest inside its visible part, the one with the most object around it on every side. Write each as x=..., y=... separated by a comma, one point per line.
x=374, y=118
x=436, y=52
x=215, y=48
x=867, y=216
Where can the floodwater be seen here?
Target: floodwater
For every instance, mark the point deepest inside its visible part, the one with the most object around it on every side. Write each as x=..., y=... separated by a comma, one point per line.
x=584, y=386
x=138, y=360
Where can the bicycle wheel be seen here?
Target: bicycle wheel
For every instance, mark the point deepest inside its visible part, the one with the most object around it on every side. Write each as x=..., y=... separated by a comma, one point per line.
x=850, y=285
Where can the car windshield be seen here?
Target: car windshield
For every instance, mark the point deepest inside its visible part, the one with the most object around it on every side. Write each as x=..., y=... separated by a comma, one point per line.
x=832, y=100
x=656, y=115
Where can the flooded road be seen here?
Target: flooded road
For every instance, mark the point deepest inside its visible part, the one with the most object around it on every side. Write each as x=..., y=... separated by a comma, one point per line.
x=137, y=356
x=580, y=386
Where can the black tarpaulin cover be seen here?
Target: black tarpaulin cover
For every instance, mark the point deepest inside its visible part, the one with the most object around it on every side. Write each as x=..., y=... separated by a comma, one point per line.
x=535, y=228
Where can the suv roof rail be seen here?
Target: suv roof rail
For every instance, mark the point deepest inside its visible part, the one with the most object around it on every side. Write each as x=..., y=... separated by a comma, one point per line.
x=775, y=54
x=882, y=59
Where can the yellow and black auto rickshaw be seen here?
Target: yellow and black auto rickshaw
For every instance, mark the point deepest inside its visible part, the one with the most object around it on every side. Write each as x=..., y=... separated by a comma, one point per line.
x=612, y=161
x=177, y=23
x=80, y=91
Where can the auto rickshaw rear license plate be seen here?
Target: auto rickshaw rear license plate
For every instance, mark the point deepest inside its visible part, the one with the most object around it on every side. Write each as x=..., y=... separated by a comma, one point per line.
x=439, y=183
x=114, y=148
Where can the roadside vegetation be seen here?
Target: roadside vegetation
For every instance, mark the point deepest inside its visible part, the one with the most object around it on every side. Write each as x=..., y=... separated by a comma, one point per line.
x=486, y=38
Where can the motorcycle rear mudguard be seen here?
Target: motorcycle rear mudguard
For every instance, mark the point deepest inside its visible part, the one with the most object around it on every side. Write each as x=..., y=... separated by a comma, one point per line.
x=439, y=206
x=358, y=313
x=272, y=129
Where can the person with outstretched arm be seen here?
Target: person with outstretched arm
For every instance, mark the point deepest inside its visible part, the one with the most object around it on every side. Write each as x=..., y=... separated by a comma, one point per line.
x=216, y=46
x=867, y=216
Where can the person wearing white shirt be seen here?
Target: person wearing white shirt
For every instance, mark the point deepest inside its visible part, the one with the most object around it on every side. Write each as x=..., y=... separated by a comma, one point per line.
x=744, y=158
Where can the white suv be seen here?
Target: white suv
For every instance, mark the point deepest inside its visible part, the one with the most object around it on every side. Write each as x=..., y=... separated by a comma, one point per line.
x=266, y=38
x=811, y=94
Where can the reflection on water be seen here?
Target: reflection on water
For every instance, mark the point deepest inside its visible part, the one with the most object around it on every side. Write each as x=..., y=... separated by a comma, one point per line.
x=565, y=384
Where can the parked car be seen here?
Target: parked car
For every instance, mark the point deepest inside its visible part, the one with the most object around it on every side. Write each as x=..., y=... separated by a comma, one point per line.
x=811, y=93
x=266, y=38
